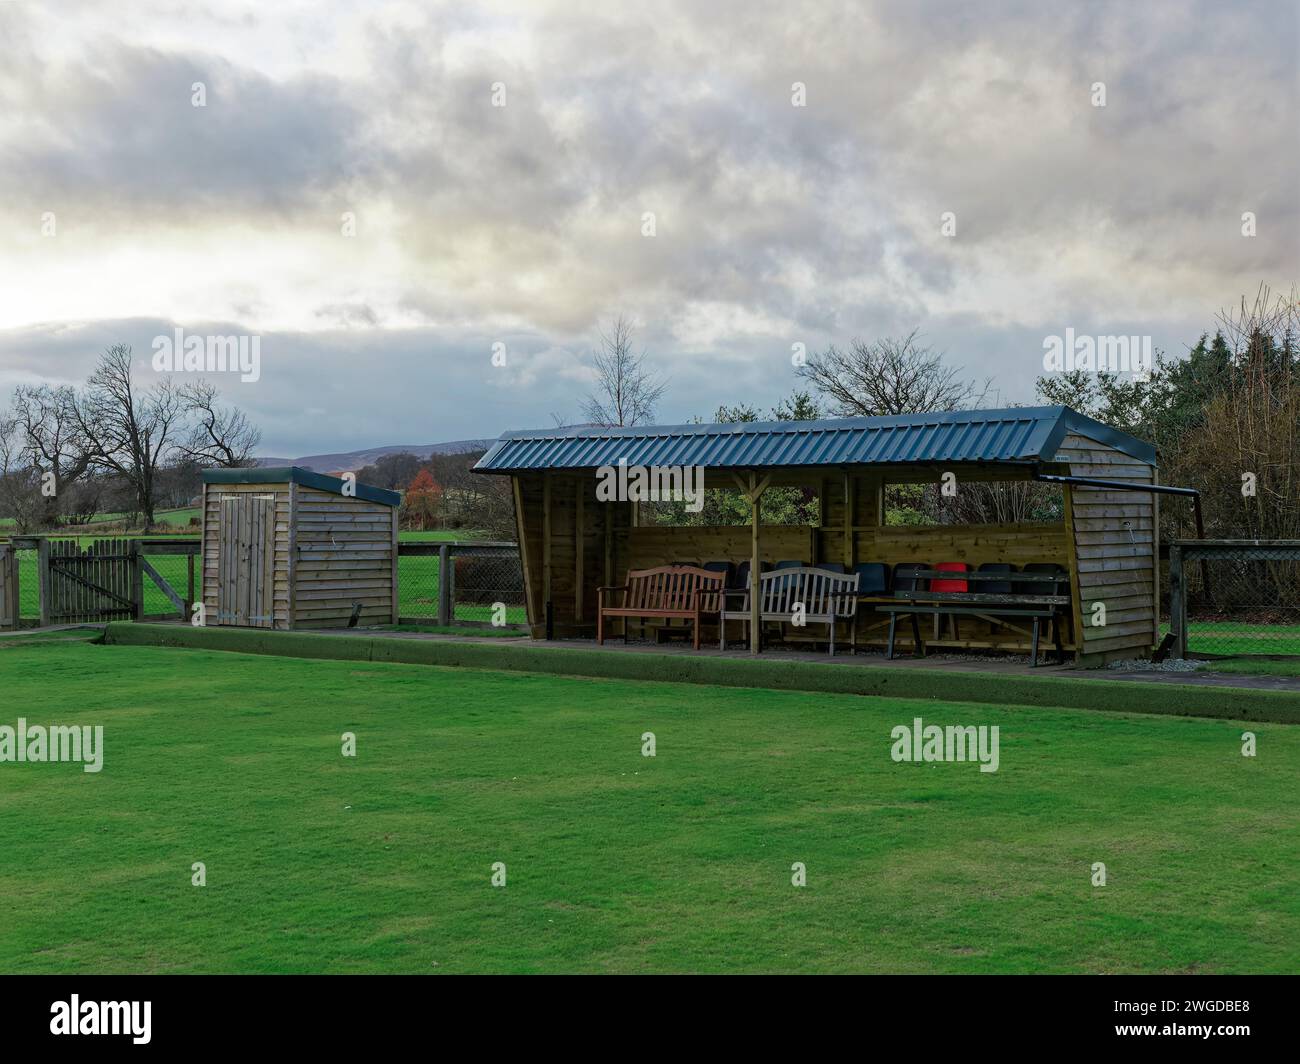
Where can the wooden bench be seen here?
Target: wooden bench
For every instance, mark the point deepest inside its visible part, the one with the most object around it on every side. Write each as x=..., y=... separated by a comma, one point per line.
x=993, y=608
x=826, y=597
x=681, y=592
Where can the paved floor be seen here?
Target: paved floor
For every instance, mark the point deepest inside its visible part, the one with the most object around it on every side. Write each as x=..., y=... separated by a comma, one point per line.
x=1008, y=665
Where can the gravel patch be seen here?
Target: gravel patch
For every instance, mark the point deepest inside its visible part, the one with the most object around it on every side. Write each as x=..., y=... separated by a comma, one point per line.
x=1168, y=665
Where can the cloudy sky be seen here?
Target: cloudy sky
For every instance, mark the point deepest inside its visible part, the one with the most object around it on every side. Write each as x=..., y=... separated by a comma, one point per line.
x=127, y=211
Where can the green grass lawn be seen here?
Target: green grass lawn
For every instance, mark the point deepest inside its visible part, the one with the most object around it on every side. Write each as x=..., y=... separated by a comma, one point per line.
x=1233, y=637
x=1255, y=666
x=617, y=862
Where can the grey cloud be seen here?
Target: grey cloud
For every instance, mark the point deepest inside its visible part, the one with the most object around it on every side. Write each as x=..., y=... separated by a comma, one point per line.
x=523, y=222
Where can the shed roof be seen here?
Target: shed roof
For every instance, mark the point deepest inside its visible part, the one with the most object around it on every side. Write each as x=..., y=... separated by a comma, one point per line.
x=1012, y=435
x=299, y=475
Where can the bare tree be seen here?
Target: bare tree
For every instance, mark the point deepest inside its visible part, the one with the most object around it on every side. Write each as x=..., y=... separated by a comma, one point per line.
x=890, y=376
x=20, y=482
x=126, y=432
x=626, y=391
x=221, y=435
x=52, y=441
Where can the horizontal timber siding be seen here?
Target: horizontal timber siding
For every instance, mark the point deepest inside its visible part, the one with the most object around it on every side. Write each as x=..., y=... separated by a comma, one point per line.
x=345, y=553
x=1115, y=545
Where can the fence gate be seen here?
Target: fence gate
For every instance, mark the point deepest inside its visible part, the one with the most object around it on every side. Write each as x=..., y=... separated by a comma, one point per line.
x=8, y=587
x=246, y=561
x=92, y=583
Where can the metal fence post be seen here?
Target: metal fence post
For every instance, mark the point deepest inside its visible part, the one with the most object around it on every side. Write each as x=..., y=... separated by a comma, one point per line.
x=1177, y=601
x=444, y=584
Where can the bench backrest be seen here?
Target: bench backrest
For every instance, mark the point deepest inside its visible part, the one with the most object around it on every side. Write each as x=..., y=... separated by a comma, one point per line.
x=821, y=591
x=673, y=587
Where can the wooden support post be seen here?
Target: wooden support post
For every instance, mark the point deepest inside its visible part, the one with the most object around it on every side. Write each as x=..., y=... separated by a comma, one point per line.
x=137, y=582
x=397, y=562
x=1177, y=601
x=848, y=521
x=521, y=530
x=292, y=574
x=43, y=577
x=578, y=532
x=1076, y=598
x=755, y=603
x=189, y=583
x=608, y=522
x=1155, y=560
x=444, y=584
x=547, y=604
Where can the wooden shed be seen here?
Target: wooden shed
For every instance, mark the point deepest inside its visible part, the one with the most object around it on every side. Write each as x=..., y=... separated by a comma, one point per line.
x=291, y=548
x=1106, y=536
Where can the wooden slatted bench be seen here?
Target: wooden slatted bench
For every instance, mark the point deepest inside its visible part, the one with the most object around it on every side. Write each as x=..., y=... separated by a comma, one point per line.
x=993, y=608
x=680, y=592
x=826, y=596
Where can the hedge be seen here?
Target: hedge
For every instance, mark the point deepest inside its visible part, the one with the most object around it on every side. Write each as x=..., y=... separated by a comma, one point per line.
x=1121, y=696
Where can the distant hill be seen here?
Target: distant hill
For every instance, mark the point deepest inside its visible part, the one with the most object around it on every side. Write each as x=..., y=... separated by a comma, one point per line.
x=351, y=461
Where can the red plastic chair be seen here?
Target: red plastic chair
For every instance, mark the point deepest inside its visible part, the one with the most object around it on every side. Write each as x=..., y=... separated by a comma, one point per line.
x=949, y=585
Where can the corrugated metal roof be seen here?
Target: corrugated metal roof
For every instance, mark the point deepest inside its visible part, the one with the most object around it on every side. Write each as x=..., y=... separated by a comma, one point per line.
x=1015, y=434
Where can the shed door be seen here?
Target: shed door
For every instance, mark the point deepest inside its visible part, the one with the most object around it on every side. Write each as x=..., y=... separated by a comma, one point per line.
x=246, y=561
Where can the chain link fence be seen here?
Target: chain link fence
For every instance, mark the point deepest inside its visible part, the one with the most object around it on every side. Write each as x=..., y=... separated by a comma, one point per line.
x=1235, y=597
x=485, y=585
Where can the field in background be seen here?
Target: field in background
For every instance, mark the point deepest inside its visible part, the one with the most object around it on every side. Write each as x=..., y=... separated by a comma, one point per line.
x=179, y=518
x=617, y=862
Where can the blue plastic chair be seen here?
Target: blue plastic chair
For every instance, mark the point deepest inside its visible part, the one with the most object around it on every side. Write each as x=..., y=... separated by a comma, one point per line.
x=873, y=578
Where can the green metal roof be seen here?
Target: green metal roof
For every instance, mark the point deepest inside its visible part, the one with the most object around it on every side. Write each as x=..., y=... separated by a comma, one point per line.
x=308, y=478
x=1012, y=435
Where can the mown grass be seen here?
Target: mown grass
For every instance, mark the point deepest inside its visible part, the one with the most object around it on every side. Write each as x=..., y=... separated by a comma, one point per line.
x=1233, y=637
x=1255, y=666
x=618, y=862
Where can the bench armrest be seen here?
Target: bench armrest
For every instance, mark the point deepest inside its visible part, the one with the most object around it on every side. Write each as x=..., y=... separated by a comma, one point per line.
x=600, y=593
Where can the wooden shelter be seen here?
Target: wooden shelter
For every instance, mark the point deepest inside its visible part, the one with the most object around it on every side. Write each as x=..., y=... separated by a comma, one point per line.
x=291, y=548
x=571, y=543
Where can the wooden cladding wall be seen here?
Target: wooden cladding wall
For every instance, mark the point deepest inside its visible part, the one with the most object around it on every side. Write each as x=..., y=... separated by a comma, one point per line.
x=345, y=553
x=1115, y=547
x=973, y=544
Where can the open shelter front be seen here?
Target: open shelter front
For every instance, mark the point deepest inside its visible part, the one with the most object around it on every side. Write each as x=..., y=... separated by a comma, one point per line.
x=1104, y=539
